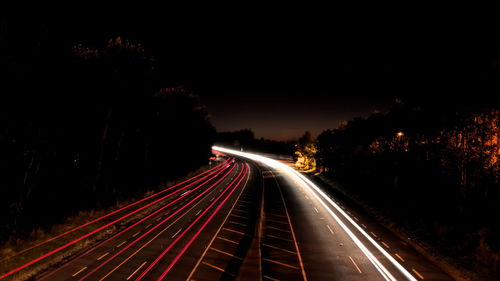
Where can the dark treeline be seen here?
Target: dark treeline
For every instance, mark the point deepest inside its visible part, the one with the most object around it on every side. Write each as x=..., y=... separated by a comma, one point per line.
x=84, y=127
x=245, y=139
x=432, y=167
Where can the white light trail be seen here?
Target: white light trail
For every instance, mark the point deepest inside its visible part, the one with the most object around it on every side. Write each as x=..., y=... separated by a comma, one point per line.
x=323, y=198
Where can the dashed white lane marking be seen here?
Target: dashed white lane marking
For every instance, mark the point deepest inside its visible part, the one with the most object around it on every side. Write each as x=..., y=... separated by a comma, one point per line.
x=357, y=267
x=387, y=246
x=119, y=245
x=316, y=210
x=198, y=212
x=270, y=278
x=76, y=273
x=363, y=225
x=136, y=234
x=418, y=274
x=135, y=271
x=329, y=228
x=399, y=257
x=177, y=232
x=228, y=240
x=278, y=248
x=102, y=256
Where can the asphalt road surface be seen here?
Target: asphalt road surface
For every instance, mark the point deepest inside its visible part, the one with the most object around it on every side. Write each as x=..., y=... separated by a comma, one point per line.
x=247, y=220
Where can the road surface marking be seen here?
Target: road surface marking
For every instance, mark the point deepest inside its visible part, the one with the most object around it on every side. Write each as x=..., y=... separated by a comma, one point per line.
x=135, y=271
x=272, y=227
x=238, y=216
x=212, y=199
x=149, y=225
x=272, y=236
x=218, y=230
x=239, y=210
x=244, y=201
x=157, y=235
x=235, y=231
x=237, y=223
x=373, y=234
x=349, y=212
x=228, y=240
x=316, y=210
x=399, y=257
x=216, y=267
x=291, y=229
x=355, y=218
x=278, y=248
x=357, y=267
x=197, y=213
x=152, y=239
x=330, y=229
x=280, y=263
x=136, y=234
x=102, y=256
x=322, y=197
x=225, y=253
x=387, y=246
x=185, y=193
x=177, y=232
x=119, y=245
x=306, y=197
x=76, y=273
x=418, y=274
x=270, y=278
x=364, y=226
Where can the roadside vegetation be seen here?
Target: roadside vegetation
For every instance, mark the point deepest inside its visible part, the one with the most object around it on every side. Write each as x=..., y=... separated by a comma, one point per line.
x=85, y=127
x=432, y=168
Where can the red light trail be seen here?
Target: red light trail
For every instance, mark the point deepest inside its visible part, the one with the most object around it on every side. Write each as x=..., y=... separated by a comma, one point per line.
x=238, y=178
x=159, y=224
x=115, y=221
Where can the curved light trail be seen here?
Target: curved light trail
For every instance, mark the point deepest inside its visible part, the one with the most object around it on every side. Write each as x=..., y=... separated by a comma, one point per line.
x=324, y=199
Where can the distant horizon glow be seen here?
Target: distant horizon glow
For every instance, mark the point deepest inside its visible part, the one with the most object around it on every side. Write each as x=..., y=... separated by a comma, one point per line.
x=286, y=117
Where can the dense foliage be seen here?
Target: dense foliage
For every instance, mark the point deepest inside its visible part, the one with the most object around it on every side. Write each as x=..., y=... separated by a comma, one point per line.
x=433, y=168
x=85, y=127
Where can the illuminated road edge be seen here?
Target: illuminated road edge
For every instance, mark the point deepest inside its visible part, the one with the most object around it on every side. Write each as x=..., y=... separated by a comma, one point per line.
x=322, y=197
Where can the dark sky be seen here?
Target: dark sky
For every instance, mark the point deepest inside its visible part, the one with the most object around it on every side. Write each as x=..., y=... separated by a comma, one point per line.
x=282, y=71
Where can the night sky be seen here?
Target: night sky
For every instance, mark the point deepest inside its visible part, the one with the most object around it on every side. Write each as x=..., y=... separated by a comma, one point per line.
x=280, y=72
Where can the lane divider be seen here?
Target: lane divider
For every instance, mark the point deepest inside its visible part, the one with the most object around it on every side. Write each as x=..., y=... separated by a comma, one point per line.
x=151, y=240
x=301, y=180
x=114, y=212
x=109, y=224
x=238, y=179
x=159, y=224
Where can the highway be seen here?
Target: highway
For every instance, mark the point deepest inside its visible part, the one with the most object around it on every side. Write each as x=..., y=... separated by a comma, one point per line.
x=248, y=218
